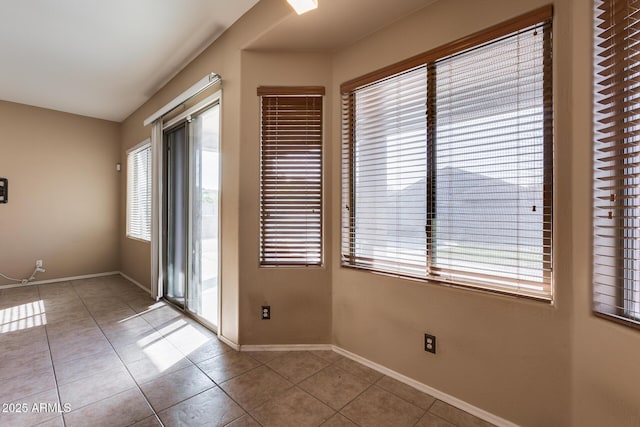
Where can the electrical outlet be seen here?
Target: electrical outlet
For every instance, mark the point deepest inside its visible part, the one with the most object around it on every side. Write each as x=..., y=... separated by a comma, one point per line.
x=4, y=190
x=430, y=343
x=266, y=312
x=39, y=263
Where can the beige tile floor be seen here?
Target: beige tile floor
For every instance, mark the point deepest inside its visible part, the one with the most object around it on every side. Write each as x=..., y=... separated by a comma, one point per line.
x=100, y=352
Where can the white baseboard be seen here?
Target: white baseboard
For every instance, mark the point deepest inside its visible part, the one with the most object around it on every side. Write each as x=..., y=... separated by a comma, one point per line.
x=286, y=347
x=228, y=342
x=447, y=398
x=61, y=279
x=135, y=282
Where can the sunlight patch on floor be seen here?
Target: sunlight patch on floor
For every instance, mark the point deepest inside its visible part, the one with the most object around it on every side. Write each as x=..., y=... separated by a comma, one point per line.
x=160, y=352
x=22, y=316
x=185, y=336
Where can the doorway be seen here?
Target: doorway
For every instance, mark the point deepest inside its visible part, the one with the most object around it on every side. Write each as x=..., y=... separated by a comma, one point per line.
x=191, y=213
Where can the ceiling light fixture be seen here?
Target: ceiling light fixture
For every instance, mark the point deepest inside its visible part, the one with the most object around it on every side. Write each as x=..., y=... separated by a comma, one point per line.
x=303, y=6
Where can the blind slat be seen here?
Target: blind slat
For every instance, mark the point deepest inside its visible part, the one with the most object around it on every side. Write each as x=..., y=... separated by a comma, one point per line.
x=139, y=193
x=616, y=210
x=447, y=168
x=291, y=177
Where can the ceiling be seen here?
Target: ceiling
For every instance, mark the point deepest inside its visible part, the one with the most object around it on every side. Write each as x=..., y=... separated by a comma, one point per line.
x=103, y=58
x=335, y=24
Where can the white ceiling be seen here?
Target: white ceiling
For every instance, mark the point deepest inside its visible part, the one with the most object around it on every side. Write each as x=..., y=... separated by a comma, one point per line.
x=102, y=58
x=105, y=58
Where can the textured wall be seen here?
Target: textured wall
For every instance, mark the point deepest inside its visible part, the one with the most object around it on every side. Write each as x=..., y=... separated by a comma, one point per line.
x=63, y=193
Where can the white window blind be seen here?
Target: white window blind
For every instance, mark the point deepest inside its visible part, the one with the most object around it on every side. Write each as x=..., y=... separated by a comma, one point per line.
x=291, y=176
x=139, y=192
x=493, y=159
x=385, y=190
x=616, y=257
x=447, y=167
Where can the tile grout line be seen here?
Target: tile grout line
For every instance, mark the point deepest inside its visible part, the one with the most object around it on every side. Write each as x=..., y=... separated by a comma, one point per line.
x=405, y=400
x=294, y=385
x=420, y=417
x=330, y=363
x=338, y=411
x=356, y=396
x=384, y=389
x=435, y=415
x=216, y=384
x=122, y=361
x=349, y=402
x=53, y=366
x=195, y=365
x=297, y=385
x=229, y=396
x=364, y=391
x=427, y=411
x=335, y=412
x=139, y=315
x=139, y=383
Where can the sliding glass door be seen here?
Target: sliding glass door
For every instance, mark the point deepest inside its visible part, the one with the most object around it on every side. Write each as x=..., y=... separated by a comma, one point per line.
x=176, y=149
x=192, y=259
x=205, y=218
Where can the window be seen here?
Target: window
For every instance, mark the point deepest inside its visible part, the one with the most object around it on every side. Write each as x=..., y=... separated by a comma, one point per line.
x=139, y=192
x=291, y=176
x=616, y=220
x=447, y=163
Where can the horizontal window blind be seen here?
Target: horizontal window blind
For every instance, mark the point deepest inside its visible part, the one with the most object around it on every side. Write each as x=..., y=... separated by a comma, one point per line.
x=448, y=167
x=385, y=207
x=291, y=178
x=493, y=152
x=139, y=192
x=616, y=257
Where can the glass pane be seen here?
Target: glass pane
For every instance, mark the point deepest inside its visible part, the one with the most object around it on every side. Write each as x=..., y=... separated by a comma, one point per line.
x=205, y=190
x=176, y=253
x=139, y=193
x=390, y=170
x=490, y=161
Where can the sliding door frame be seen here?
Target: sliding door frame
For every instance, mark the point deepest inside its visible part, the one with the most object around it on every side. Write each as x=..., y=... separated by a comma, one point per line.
x=158, y=240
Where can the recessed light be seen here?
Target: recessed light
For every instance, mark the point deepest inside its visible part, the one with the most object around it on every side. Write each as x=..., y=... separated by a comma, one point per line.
x=303, y=6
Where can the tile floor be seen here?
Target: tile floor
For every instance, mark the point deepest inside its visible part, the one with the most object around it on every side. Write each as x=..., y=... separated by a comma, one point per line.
x=100, y=352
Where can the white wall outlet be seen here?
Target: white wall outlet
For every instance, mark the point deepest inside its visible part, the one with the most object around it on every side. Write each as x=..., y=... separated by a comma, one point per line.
x=39, y=263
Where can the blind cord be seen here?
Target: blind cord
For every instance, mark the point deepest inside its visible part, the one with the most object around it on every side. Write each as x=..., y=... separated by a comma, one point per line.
x=25, y=281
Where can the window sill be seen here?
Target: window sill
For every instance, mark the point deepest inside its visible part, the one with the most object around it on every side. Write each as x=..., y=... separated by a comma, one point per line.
x=457, y=285
x=138, y=239
x=621, y=320
x=294, y=267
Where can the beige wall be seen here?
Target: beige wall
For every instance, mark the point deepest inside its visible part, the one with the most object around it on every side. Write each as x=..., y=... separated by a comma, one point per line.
x=300, y=298
x=532, y=363
x=134, y=256
x=605, y=364
x=224, y=58
x=63, y=193
x=505, y=355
